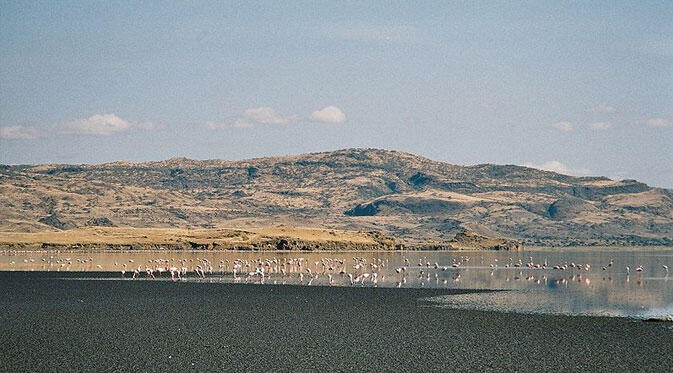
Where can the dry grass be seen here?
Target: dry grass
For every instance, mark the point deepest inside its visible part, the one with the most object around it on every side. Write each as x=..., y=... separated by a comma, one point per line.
x=99, y=235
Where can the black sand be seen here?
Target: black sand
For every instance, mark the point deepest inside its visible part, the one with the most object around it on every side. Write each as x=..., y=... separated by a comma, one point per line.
x=87, y=325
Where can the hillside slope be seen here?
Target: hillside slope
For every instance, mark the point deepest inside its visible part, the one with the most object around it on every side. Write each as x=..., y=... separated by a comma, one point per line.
x=406, y=196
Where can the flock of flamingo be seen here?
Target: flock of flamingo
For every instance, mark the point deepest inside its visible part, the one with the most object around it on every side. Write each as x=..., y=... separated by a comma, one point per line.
x=337, y=271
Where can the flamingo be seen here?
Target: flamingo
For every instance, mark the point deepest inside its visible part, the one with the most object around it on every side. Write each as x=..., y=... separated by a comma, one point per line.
x=175, y=274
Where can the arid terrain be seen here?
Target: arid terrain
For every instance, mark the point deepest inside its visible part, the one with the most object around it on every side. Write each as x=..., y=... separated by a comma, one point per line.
x=368, y=197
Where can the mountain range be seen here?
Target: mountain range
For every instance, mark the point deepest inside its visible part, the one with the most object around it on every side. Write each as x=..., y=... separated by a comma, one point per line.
x=409, y=197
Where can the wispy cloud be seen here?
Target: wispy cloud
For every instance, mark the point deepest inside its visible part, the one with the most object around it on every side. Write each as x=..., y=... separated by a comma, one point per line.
x=20, y=132
x=148, y=126
x=559, y=167
x=601, y=126
x=254, y=116
x=329, y=114
x=267, y=115
x=238, y=123
x=603, y=109
x=656, y=122
x=563, y=126
x=368, y=33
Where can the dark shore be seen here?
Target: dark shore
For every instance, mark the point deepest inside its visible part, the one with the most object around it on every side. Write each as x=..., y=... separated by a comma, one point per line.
x=91, y=325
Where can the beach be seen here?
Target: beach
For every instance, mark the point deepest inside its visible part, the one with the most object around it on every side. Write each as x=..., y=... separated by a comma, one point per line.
x=66, y=322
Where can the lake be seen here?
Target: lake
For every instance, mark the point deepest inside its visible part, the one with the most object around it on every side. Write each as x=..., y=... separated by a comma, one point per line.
x=630, y=283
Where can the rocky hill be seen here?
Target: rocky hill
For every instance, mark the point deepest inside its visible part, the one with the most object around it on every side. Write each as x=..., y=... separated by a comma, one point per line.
x=409, y=197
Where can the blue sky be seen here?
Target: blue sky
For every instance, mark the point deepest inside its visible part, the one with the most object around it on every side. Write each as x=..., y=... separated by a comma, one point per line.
x=584, y=88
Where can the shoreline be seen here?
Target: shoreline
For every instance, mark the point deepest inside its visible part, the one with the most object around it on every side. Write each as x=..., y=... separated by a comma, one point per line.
x=525, y=249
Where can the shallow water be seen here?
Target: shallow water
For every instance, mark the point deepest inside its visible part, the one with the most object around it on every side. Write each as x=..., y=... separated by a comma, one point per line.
x=604, y=289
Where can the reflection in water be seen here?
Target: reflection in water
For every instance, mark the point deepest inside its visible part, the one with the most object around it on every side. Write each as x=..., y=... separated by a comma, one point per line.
x=612, y=283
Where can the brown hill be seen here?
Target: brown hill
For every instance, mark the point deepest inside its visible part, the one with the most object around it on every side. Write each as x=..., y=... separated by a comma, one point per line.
x=399, y=194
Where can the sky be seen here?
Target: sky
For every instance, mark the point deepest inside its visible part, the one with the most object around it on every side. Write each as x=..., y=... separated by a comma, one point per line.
x=582, y=88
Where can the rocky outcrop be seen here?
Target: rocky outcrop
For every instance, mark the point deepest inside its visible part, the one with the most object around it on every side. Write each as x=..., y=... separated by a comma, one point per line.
x=55, y=221
x=569, y=208
x=406, y=205
x=99, y=222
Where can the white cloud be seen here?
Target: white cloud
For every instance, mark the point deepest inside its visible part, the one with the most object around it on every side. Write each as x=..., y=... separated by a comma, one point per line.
x=20, y=132
x=558, y=167
x=657, y=122
x=330, y=114
x=375, y=33
x=104, y=125
x=603, y=109
x=267, y=115
x=99, y=124
x=563, y=126
x=601, y=126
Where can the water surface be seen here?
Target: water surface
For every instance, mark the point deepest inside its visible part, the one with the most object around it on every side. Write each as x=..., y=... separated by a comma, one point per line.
x=622, y=283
